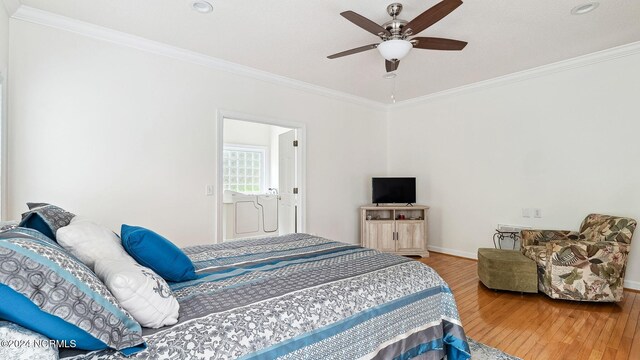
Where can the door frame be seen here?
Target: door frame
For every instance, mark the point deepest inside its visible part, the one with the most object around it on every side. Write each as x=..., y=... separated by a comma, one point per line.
x=4, y=145
x=301, y=169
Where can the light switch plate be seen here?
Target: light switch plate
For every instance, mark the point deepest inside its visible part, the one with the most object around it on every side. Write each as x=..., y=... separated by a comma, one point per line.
x=209, y=190
x=537, y=213
x=526, y=212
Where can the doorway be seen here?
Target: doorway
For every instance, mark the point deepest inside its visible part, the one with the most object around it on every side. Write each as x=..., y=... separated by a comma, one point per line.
x=261, y=177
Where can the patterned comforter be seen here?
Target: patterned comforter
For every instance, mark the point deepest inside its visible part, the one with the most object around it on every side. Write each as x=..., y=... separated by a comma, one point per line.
x=304, y=297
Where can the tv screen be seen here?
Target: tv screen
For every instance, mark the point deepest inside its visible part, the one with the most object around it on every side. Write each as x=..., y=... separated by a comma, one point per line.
x=393, y=190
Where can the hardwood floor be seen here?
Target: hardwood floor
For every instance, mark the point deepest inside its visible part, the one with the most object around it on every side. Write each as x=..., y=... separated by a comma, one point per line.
x=533, y=326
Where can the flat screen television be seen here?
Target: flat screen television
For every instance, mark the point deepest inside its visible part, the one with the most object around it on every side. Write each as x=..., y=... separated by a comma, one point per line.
x=393, y=190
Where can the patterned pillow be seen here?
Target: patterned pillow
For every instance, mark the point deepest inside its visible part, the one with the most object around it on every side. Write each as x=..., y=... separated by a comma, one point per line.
x=47, y=290
x=45, y=218
x=26, y=233
x=8, y=225
x=24, y=344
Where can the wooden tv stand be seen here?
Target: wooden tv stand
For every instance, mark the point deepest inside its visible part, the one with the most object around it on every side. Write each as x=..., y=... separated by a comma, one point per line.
x=399, y=229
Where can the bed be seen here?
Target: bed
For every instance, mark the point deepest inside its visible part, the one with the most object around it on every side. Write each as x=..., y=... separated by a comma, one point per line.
x=301, y=296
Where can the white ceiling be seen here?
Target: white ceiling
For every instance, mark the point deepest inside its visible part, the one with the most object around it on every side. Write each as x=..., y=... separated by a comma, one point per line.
x=292, y=38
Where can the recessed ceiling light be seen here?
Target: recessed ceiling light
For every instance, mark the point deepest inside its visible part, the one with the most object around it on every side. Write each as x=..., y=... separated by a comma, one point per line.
x=584, y=8
x=389, y=75
x=201, y=6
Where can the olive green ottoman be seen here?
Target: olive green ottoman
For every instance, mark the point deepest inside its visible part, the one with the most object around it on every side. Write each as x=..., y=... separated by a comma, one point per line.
x=507, y=270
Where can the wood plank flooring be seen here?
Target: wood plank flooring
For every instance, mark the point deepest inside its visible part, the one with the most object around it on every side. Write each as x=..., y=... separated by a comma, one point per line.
x=533, y=326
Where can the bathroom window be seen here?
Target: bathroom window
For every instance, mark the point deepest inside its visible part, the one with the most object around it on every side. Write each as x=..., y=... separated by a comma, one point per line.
x=244, y=168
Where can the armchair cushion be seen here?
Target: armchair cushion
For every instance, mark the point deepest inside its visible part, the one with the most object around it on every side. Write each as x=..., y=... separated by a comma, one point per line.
x=537, y=253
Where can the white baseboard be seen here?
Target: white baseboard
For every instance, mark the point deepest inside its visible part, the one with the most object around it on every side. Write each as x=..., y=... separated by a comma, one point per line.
x=628, y=284
x=633, y=285
x=464, y=254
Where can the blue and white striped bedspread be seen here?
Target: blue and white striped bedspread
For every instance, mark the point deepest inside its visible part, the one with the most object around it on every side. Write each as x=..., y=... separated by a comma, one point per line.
x=304, y=297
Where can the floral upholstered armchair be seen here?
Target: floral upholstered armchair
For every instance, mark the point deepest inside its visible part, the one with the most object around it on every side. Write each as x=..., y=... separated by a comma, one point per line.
x=588, y=265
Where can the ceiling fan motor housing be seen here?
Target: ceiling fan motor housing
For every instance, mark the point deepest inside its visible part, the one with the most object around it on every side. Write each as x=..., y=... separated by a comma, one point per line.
x=395, y=25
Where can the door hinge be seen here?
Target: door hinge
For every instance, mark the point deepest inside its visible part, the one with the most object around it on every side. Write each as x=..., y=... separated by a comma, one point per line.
x=295, y=190
x=295, y=143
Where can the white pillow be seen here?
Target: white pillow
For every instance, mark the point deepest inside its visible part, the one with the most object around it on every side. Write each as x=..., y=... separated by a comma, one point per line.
x=142, y=292
x=89, y=241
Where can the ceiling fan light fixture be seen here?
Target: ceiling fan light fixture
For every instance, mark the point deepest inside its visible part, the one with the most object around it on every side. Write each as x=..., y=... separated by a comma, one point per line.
x=394, y=49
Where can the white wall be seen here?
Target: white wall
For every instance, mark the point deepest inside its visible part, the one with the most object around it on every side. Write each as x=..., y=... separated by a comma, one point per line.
x=125, y=136
x=566, y=143
x=4, y=40
x=4, y=60
x=246, y=133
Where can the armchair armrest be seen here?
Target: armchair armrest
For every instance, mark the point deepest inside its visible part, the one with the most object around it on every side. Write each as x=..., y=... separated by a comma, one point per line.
x=540, y=237
x=586, y=270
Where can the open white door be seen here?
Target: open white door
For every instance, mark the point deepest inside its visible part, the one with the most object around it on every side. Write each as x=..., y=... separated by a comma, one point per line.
x=287, y=183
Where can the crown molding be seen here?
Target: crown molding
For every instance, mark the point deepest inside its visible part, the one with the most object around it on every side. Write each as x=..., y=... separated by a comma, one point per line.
x=544, y=70
x=11, y=6
x=46, y=18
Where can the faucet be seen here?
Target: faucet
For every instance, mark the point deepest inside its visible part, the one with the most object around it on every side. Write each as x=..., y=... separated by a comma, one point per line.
x=273, y=191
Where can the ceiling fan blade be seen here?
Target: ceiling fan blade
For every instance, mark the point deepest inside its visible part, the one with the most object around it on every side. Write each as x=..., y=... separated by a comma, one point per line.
x=431, y=16
x=391, y=65
x=365, y=23
x=353, y=51
x=433, y=43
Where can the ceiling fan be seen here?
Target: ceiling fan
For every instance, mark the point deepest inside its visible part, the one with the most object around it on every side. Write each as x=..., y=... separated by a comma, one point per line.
x=395, y=32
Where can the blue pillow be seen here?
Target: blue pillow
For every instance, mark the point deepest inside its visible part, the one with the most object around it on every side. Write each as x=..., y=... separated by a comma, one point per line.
x=157, y=253
x=45, y=218
x=45, y=289
x=8, y=225
x=29, y=315
x=36, y=222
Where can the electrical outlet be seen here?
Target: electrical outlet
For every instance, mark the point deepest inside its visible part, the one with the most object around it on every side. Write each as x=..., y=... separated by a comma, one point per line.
x=526, y=212
x=537, y=213
x=209, y=190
